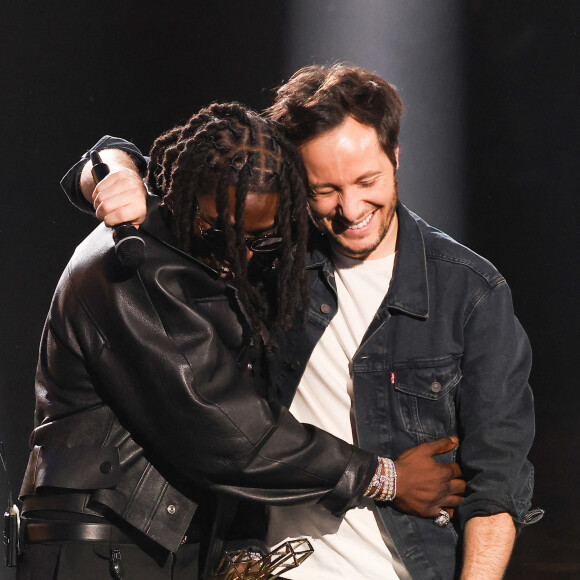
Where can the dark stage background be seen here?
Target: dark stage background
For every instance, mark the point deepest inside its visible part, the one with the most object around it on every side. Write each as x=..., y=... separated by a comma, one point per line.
x=490, y=152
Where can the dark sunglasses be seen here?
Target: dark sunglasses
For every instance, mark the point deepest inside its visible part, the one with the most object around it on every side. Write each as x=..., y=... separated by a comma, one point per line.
x=265, y=243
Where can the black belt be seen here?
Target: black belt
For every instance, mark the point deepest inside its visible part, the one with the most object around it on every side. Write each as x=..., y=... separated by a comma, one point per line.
x=39, y=532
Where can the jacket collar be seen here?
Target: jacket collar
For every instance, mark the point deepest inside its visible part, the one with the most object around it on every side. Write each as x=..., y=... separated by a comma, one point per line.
x=409, y=289
x=156, y=224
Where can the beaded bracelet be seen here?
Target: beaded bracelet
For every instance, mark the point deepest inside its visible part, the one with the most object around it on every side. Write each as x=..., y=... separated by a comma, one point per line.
x=375, y=485
x=383, y=485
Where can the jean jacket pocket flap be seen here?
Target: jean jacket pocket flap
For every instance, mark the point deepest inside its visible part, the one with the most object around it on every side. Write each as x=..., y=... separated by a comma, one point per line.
x=428, y=381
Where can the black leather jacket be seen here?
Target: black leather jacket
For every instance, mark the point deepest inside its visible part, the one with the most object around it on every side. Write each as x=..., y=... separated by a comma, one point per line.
x=144, y=398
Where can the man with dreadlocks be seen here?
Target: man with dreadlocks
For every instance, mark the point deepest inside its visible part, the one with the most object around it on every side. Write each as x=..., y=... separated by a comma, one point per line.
x=155, y=414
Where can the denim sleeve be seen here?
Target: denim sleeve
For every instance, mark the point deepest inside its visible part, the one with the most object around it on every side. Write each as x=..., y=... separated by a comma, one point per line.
x=71, y=181
x=496, y=413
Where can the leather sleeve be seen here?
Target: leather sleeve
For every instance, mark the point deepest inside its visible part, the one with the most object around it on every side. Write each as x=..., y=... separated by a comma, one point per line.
x=150, y=346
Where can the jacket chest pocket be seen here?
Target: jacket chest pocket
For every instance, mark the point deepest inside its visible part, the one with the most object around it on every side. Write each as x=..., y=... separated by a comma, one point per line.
x=425, y=397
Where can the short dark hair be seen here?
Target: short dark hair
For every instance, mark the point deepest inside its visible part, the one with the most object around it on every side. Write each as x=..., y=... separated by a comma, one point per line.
x=318, y=98
x=228, y=144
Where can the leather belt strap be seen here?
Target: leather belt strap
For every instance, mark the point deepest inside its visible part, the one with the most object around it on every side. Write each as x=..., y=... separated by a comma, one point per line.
x=38, y=532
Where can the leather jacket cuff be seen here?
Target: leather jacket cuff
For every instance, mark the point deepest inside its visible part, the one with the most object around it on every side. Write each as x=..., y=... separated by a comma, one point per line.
x=349, y=490
x=71, y=181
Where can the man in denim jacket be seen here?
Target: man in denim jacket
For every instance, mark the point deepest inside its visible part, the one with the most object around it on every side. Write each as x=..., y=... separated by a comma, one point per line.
x=409, y=337
x=443, y=354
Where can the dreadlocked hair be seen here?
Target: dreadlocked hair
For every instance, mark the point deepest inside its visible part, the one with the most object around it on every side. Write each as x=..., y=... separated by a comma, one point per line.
x=228, y=144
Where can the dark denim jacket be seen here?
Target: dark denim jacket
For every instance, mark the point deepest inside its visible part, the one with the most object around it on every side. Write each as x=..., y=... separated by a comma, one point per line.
x=444, y=355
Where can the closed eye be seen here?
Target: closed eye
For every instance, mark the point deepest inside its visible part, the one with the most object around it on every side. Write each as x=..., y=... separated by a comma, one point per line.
x=322, y=192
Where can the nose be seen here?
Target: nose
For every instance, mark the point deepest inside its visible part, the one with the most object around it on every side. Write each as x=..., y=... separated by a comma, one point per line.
x=249, y=254
x=350, y=206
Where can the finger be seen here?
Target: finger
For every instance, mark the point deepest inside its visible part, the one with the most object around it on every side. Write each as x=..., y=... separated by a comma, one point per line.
x=116, y=204
x=104, y=185
x=107, y=190
x=430, y=448
x=433, y=513
x=442, y=445
x=421, y=509
x=96, y=193
x=113, y=198
x=120, y=179
x=455, y=470
x=125, y=214
x=451, y=501
x=457, y=486
x=449, y=471
x=116, y=213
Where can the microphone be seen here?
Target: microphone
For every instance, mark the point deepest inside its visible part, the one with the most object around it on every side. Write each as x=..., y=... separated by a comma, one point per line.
x=129, y=245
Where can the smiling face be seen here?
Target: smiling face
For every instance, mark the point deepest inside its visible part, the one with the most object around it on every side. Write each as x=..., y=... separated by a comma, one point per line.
x=353, y=190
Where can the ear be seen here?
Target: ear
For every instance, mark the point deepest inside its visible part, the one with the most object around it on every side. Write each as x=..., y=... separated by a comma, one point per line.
x=397, y=157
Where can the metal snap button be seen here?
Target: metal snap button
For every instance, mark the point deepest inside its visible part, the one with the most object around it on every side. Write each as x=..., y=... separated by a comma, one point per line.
x=250, y=367
x=171, y=509
x=325, y=308
x=436, y=386
x=106, y=467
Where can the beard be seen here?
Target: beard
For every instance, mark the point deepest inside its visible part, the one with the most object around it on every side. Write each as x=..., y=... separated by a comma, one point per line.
x=344, y=247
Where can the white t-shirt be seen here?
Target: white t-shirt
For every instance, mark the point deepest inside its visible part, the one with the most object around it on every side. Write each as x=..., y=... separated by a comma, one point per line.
x=356, y=546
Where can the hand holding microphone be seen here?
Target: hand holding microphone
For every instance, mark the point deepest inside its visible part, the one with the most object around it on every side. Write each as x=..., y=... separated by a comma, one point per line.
x=129, y=245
